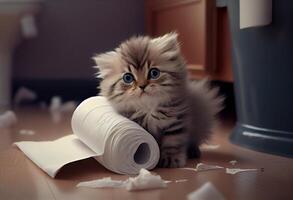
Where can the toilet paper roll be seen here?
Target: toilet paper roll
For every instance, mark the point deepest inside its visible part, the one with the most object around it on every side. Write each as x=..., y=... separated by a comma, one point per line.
x=119, y=144
x=124, y=147
x=255, y=13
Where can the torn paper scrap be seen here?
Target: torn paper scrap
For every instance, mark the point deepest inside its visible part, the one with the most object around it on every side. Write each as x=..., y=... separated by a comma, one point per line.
x=189, y=168
x=209, y=146
x=145, y=180
x=57, y=108
x=176, y=181
x=24, y=94
x=181, y=180
x=8, y=119
x=206, y=192
x=237, y=170
x=106, y=182
x=55, y=104
x=205, y=167
x=26, y=132
x=233, y=162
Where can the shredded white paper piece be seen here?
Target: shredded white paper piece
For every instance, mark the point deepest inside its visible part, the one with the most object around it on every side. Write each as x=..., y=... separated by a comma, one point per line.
x=54, y=108
x=209, y=146
x=106, y=182
x=145, y=180
x=233, y=162
x=24, y=94
x=204, y=167
x=237, y=170
x=181, y=180
x=26, y=132
x=8, y=119
x=206, y=192
x=57, y=108
x=189, y=168
x=176, y=181
x=56, y=103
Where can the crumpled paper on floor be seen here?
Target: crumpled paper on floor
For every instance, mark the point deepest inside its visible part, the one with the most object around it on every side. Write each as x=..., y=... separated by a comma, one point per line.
x=233, y=162
x=58, y=108
x=206, y=192
x=8, y=119
x=145, y=180
x=24, y=94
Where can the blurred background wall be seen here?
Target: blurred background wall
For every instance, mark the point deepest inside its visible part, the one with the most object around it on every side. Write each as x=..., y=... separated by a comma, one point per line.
x=70, y=33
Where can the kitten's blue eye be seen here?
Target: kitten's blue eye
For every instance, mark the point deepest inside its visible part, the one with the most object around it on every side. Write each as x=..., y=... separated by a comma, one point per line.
x=128, y=78
x=154, y=73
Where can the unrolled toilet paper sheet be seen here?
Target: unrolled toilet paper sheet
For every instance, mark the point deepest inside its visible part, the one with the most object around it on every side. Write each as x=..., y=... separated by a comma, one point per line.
x=117, y=143
x=51, y=156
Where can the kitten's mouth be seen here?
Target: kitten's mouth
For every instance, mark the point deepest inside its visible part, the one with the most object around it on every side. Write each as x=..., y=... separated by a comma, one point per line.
x=143, y=94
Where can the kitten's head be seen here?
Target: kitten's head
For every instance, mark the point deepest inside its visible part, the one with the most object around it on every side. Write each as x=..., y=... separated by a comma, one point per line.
x=142, y=70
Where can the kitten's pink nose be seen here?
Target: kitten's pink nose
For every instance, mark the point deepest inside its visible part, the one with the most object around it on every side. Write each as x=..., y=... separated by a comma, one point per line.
x=142, y=87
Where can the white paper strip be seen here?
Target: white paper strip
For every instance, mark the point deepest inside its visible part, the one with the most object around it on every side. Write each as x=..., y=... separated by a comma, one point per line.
x=205, y=167
x=237, y=170
x=181, y=181
x=117, y=143
x=255, y=13
x=233, y=162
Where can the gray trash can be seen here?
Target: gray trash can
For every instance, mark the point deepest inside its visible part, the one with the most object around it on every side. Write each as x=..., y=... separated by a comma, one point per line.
x=263, y=81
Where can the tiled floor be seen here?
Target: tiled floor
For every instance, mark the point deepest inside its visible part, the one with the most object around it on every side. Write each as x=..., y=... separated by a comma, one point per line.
x=21, y=179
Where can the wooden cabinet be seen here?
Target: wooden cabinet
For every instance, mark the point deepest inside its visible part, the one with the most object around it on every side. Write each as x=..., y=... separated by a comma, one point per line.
x=203, y=34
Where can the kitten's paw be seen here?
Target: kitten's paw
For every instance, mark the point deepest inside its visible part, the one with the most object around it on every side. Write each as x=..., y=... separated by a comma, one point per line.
x=172, y=161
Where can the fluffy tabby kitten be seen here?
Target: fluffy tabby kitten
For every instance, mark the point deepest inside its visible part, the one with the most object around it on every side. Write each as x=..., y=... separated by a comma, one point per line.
x=146, y=80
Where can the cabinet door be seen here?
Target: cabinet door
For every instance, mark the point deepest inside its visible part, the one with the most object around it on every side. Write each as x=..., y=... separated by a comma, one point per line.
x=195, y=21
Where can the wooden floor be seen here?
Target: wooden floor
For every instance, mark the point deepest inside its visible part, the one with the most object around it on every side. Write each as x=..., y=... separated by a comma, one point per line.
x=21, y=179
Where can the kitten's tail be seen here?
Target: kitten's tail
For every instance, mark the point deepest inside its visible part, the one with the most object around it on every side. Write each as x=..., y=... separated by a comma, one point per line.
x=208, y=94
x=206, y=103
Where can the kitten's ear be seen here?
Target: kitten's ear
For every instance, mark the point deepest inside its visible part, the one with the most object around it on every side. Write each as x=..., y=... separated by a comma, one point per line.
x=105, y=63
x=167, y=43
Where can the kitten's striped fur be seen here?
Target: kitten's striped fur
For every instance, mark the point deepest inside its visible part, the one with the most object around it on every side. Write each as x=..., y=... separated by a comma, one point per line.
x=177, y=112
